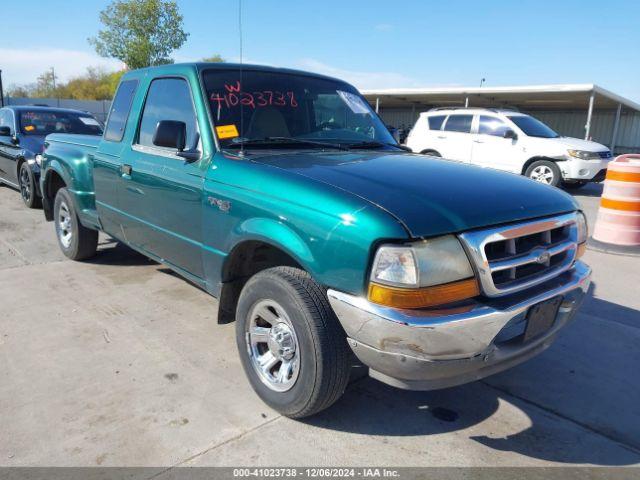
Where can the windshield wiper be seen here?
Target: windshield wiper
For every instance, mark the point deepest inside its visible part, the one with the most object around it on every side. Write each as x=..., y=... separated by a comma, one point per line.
x=376, y=144
x=283, y=141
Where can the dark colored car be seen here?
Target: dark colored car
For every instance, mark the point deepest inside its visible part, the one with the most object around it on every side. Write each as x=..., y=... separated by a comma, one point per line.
x=22, y=133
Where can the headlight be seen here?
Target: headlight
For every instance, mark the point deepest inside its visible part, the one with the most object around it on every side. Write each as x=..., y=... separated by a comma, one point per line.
x=38, y=159
x=583, y=228
x=421, y=274
x=583, y=233
x=584, y=155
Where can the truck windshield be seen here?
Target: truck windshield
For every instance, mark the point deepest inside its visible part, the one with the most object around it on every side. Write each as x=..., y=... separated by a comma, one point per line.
x=44, y=122
x=532, y=126
x=267, y=108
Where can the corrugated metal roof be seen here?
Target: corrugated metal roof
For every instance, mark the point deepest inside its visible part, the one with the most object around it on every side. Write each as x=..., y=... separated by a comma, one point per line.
x=563, y=96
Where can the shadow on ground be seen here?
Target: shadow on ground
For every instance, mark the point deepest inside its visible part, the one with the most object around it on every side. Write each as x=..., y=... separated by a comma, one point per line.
x=589, y=190
x=112, y=252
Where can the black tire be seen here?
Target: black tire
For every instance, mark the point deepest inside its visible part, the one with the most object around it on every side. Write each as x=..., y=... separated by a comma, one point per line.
x=27, y=185
x=573, y=185
x=431, y=153
x=544, y=167
x=82, y=242
x=323, y=353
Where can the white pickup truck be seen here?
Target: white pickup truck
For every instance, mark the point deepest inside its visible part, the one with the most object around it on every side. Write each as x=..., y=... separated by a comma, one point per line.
x=509, y=141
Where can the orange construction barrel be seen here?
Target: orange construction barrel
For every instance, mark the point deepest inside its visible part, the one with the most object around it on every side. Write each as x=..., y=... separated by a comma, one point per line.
x=617, y=228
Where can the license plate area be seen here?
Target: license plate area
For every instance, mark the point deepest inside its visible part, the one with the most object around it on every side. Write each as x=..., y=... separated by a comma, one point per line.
x=541, y=317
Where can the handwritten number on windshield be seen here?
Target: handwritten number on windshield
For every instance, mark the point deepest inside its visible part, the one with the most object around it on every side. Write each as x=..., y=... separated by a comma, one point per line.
x=234, y=96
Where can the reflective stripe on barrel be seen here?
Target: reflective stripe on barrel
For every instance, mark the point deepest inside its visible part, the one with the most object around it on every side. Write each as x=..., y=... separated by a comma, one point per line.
x=623, y=176
x=620, y=205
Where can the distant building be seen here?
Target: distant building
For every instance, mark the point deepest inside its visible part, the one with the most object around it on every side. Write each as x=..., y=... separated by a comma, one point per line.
x=581, y=110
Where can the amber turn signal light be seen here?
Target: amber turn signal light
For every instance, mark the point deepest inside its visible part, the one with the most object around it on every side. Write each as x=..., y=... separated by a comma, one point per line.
x=423, y=297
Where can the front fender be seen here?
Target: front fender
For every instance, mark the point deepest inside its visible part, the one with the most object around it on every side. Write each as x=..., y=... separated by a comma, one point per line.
x=276, y=234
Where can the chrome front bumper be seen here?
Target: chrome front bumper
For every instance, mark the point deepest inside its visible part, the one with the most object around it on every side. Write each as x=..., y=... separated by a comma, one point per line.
x=432, y=349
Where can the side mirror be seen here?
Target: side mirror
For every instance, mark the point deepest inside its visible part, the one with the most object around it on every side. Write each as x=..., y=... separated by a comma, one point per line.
x=510, y=134
x=170, y=134
x=5, y=131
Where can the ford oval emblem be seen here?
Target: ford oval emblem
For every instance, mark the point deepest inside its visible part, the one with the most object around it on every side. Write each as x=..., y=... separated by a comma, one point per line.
x=544, y=257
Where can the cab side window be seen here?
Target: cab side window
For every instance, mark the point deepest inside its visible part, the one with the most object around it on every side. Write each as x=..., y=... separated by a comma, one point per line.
x=168, y=99
x=6, y=119
x=492, y=126
x=119, y=112
x=459, y=123
x=435, y=122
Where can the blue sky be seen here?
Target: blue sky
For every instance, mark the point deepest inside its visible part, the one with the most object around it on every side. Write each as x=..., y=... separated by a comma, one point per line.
x=373, y=44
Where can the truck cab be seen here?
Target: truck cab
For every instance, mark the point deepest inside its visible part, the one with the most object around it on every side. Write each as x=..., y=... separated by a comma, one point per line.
x=283, y=195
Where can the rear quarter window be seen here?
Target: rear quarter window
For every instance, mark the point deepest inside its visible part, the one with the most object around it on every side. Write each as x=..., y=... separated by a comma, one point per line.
x=119, y=112
x=435, y=122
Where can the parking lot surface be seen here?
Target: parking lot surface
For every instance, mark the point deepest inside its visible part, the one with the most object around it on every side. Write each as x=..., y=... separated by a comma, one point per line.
x=118, y=361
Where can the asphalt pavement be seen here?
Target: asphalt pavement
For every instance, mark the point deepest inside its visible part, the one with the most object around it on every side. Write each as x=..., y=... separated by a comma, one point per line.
x=118, y=361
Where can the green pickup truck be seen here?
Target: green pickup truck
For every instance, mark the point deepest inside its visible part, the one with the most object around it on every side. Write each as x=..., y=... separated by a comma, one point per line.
x=283, y=195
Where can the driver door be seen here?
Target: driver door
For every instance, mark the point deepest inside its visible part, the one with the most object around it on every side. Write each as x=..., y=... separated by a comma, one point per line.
x=160, y=191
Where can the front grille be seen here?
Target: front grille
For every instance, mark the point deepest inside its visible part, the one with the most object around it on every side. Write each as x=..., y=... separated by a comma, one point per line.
x=515, y=257
x=605, y=155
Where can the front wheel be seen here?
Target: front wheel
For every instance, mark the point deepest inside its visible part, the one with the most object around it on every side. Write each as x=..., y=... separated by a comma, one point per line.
x=292, y=347
x=27, y=184
x=544, y=171
x=76, y=241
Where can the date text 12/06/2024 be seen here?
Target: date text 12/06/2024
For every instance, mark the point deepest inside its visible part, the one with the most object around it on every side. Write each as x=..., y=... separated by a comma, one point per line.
x=329, y=472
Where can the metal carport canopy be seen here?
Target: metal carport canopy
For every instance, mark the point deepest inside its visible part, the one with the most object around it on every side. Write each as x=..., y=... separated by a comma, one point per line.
x=532, y=97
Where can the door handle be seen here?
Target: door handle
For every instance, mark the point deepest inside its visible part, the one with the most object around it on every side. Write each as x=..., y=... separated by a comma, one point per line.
x=478, y=141
x=125, y=169
x=442, y=136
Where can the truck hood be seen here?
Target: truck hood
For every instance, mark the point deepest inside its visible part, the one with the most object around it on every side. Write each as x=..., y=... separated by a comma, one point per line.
x=429, y=196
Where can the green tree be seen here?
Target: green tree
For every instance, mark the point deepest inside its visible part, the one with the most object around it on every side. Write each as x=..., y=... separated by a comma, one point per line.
x=20, y=91
x=46, y=85
x=216, y=58
x=140, y=33
x=96, y=84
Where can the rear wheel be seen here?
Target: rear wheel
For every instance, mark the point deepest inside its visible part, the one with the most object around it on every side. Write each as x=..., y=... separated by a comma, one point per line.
x=76, y=241
x=292, y=347
x=27, y=184
x=544, y=171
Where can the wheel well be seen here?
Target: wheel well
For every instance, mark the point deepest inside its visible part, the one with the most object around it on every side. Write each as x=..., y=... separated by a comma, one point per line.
x=535, y=159
x=19, y=166
x=244, y=261
x=53, y=183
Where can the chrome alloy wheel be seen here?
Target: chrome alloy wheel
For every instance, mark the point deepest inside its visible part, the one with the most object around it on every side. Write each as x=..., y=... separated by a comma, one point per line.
x=25, y=184
x=272, y=346
x=542, y=174
x=65, y=225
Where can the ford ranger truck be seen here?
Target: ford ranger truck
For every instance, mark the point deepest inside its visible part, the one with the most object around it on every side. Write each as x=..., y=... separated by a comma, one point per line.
x=282, y=194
